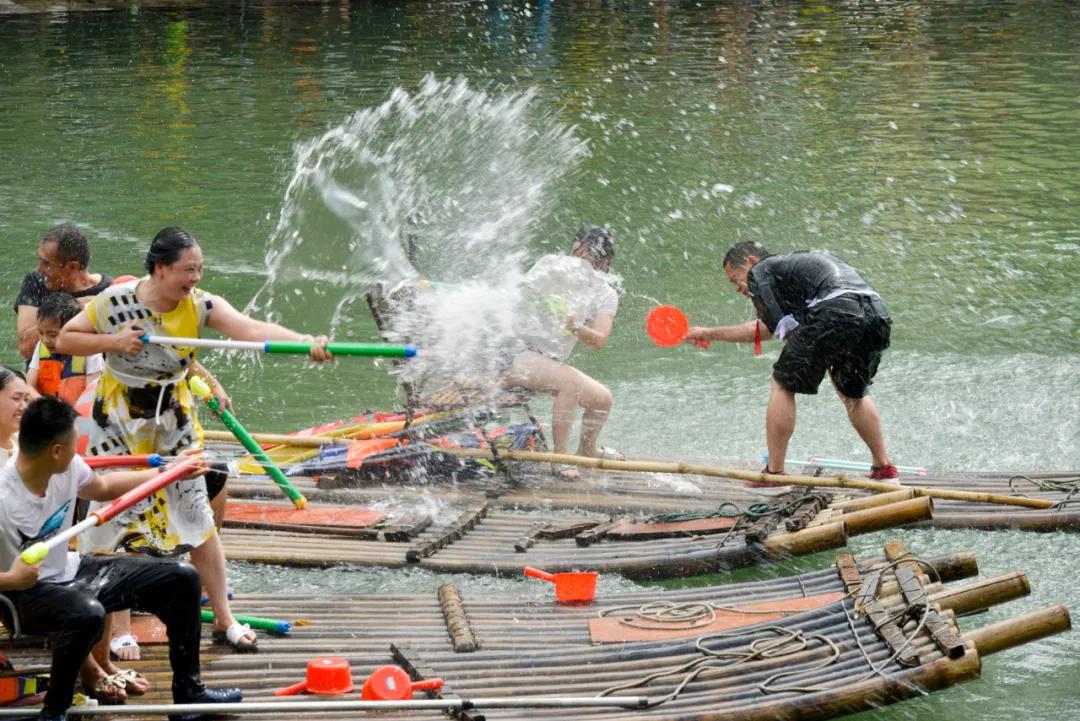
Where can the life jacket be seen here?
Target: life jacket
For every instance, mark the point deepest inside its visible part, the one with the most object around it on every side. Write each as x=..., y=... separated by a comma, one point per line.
x=84, y=424
x=62, y=376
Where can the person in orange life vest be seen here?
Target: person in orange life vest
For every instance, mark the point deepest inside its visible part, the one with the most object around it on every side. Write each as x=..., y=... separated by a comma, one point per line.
x=55, y=374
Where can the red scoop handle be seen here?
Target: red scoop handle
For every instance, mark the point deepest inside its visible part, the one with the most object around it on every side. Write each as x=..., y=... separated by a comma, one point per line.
x=293, y=690
x=428, y=684
x=537, y=573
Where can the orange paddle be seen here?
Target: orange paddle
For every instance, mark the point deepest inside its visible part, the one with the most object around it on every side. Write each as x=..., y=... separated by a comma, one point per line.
x=667, y=326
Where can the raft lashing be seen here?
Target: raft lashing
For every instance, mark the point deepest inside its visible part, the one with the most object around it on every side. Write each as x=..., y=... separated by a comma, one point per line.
x=853, y=636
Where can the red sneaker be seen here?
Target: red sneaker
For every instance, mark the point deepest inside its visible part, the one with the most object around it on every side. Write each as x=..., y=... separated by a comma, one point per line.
x=763, y=484
x=884, y=473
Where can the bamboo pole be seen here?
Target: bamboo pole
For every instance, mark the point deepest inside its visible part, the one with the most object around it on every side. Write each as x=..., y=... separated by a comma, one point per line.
x=901, y=513
x=281, y=439
x=780, y=480
x=809, y=540
x=878, y=499
x=1021, y=629
x=983, y=594
x=308, y=706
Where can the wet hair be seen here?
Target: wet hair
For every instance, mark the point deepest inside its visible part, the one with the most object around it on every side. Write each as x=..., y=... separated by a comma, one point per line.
x=45, y=421
x=58, y=306
x=6, y=374
x=599, y=238
x=739, y=253
x=71, y=244
x=167, y=246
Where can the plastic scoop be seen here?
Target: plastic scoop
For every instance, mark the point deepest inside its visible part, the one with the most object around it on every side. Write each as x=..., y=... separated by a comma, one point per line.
x=391, y=683
x=576, y=587
x=667, y=326
x=326, y=676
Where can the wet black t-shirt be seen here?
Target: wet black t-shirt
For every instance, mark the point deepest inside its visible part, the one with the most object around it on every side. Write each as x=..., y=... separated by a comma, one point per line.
x=785, y=284
x=33, y=289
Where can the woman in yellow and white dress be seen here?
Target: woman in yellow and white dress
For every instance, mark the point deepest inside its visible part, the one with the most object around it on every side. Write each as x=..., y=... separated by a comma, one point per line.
x=143, y=405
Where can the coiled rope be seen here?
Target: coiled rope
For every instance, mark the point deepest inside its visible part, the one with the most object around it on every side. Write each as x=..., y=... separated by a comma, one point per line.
x=732, y=510
x=785, y=642
x=1069, y=486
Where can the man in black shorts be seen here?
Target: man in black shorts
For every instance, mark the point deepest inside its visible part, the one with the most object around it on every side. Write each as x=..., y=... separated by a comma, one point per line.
x=830, y=319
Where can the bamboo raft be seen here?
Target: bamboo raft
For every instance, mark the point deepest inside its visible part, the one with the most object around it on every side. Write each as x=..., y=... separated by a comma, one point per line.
x=502, y=533
x=647, y=489
x=889, y=634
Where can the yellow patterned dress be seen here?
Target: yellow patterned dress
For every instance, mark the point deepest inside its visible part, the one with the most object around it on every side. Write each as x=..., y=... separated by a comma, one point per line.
x=143, y=405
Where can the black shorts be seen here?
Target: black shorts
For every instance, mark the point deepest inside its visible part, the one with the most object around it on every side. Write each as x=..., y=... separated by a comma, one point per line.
x=844, y=336
x=215, y=479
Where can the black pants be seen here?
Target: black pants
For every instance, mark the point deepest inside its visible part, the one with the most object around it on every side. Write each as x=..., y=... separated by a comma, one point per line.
x=75, y=613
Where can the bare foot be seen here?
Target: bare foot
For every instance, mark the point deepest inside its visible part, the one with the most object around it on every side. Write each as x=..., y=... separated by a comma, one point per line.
x=565, y=471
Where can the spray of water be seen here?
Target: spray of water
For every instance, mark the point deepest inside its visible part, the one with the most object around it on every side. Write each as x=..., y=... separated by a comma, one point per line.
x=448, y=184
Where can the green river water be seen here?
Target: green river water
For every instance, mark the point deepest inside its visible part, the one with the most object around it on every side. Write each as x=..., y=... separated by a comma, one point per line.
x=934, y=145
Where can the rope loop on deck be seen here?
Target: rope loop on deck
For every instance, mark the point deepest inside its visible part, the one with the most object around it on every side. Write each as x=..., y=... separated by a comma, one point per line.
x=783, y=642
x=732, y=510
x=672, y=616
x=1069, y=486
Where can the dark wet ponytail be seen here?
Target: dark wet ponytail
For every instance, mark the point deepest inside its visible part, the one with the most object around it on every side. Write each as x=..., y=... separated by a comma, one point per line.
x=168, y=244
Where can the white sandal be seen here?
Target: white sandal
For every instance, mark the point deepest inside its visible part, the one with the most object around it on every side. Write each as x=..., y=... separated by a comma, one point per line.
x=233, y=635
x=610, y=454
x=127, y=643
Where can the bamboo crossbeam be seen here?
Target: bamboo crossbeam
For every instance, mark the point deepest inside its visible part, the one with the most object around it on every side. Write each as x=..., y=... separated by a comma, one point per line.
x=780, y=480
x=281, y=439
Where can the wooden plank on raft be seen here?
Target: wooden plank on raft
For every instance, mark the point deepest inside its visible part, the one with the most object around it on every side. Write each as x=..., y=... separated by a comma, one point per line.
x=912, y=589
x=944, y=635
x=941, y=631
x=898, y=553
x=411, y=662
x=557, y=534
x=546, y=532
x=529, y=538
x=465, y=523
x=849, y=572
x=806, y=513
x=404, y=529
x=628, y=530
x=592, y=535
x=866, y=601
x=462, y=636
x=283, y=515
x=614, y=628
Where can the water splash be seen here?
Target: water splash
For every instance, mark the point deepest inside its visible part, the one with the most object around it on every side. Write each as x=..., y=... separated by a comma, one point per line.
x=446, y=183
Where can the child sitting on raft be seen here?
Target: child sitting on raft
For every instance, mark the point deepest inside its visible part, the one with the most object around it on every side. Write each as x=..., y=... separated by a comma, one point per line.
x=67, y=595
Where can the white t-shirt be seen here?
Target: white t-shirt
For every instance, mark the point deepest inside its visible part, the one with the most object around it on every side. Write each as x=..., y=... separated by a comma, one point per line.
x=6, y=453
x=559, y=286
x=26, y=519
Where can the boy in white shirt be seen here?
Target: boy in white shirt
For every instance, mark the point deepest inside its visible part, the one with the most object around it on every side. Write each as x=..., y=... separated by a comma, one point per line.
x=69, y=596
